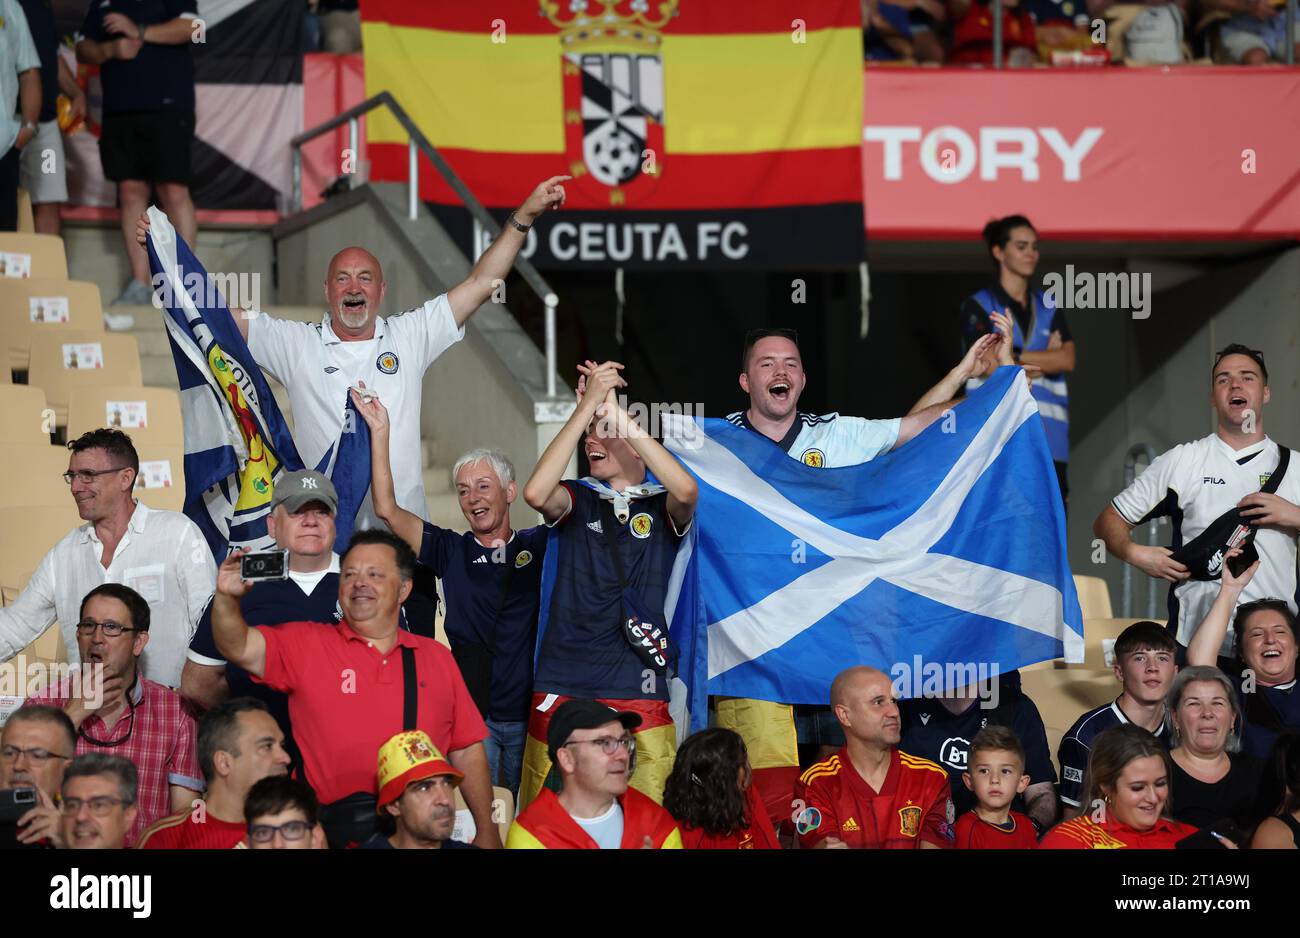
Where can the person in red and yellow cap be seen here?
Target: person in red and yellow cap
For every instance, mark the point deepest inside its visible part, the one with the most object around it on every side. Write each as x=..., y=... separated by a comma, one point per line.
x=417, y=788
x=592, y=746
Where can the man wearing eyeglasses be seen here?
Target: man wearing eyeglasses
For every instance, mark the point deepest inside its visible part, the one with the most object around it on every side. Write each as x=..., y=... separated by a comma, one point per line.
x=161, y=555
x=35, y=748
x=98, y=803
x=1196, y=483
x=117, y=711
x=282, y=814
x=592, y=747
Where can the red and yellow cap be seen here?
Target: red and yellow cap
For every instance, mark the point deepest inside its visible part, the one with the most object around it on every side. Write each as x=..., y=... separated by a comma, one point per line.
x=409, y=757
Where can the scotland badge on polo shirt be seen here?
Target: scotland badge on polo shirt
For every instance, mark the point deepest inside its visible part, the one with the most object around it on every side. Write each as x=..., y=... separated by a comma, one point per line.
x=387, y=363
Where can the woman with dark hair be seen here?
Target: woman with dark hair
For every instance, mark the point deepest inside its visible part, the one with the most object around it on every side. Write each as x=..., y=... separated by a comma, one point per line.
x=710, y=794
x=1282, y=830
x=1126, y=797
x=1040, y=336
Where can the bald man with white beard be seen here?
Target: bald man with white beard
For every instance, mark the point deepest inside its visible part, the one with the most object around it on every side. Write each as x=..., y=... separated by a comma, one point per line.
x=354, y=346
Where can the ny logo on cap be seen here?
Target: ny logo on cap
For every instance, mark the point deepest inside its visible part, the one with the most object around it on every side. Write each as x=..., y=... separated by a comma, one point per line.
x=309, y=483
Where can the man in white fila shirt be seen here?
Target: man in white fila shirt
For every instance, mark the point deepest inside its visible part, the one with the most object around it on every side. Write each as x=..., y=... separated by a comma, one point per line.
x=352, y=344
x=1194, y=483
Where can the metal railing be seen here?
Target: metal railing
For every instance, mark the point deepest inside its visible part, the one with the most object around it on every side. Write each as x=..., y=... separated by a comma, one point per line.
x=1136, y=451
x=417, y=143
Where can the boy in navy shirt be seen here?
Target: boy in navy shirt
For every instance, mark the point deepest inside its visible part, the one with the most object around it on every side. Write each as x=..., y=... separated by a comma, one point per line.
x=615, y=534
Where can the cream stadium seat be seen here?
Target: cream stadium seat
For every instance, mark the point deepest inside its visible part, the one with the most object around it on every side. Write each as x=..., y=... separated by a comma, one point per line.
x=1099, y=638
x=1062, y=696
x=42, y=527
x=1094, y=597
x=503, y=808
x=26, y=220
x=161, y=483
x=33, y=477
x=24, y=255
x=150, y=416
x=22, y=415
x=66, y=361
x=28, y=307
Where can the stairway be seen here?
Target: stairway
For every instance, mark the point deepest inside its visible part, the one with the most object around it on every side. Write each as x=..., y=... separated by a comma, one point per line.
x=159, y=370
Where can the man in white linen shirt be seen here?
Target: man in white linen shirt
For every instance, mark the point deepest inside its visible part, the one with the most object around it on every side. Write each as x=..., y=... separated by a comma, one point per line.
x=161, y=555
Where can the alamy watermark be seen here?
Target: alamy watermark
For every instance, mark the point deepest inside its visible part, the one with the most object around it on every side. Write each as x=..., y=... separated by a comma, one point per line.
x=22, y=677
x=1107, y=291
x=938, y=679
x=234, y=291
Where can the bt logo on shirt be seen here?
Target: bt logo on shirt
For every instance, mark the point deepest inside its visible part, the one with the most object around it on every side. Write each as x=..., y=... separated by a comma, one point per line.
x=954, y=752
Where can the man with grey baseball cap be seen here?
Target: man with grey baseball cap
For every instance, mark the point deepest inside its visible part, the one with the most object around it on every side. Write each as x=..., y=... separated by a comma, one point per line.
x=298, y=489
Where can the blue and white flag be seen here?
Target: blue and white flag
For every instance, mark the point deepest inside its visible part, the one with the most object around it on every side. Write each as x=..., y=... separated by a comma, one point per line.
x=949, y=550
x=236, y=442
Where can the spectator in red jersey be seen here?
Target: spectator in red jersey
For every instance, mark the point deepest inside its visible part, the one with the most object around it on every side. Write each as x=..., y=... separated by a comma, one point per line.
x=125, y=714
x=1126, y=797
x=240, y=744
x=996, y=774
x=972, y=38
x=35, y=748
x=98, y=802
x=282, y=813
x=870, y=794
x=711, y=794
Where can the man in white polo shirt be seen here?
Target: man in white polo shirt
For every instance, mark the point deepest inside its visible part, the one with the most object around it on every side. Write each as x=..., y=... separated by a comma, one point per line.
x=161, y=555
x=1196, y=482
x=353, y=344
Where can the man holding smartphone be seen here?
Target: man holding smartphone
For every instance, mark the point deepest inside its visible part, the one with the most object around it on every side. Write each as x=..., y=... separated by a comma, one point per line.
x=35, y=748
x=1195, y=483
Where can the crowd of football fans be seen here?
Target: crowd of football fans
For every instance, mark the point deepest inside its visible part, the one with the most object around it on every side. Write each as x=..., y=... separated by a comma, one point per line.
x=1076, y=32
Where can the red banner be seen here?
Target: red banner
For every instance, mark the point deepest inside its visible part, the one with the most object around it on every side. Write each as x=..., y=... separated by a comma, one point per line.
x=1178, y=154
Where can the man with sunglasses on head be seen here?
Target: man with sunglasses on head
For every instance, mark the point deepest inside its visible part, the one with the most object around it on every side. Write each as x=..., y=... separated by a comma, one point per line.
x=159, y=554
x=592, y=747
x=117, y=711
x=1196, y=483
x=773, y=376
x=35, y=748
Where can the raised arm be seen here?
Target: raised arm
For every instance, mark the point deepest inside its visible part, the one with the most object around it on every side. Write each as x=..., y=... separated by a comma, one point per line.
x=1208, y=637
x=406, y=525
x=683, y=492
x=235, y=640
x=977, y=361
x=543, y=491
x=497, y=260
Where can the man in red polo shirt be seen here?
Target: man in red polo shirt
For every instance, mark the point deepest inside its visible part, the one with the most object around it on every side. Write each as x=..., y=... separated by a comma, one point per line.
x=346, y=686
x=869, y=794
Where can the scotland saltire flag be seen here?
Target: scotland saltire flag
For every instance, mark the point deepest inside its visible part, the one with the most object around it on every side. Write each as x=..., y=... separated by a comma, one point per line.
x=949, y=550
x=236, y=442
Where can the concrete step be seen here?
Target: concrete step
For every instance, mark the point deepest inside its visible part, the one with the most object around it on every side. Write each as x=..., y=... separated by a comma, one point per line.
x=444, y=511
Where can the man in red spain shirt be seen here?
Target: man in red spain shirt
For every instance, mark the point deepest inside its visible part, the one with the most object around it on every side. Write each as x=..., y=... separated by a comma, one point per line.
x=869, y=794
x=239, y=745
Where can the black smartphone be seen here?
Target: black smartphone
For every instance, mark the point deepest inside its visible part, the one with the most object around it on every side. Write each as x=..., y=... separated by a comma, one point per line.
x=15, y=802
x=265, y=565
x=1239, y=564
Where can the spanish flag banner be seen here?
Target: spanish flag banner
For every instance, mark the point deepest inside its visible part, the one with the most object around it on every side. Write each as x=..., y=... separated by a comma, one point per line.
x=700, y=133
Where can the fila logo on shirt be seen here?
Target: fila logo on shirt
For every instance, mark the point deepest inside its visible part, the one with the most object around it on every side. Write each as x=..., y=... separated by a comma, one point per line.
x=1211, y=480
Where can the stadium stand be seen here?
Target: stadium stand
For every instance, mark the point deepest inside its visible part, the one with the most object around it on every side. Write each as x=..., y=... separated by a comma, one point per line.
x=66, y=361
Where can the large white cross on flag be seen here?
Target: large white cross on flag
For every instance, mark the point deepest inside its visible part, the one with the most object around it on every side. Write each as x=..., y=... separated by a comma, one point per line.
x=951, y=548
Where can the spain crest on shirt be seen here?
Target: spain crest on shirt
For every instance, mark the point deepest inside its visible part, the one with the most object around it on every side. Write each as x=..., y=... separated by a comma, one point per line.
x=613, y=87
x=909, y=820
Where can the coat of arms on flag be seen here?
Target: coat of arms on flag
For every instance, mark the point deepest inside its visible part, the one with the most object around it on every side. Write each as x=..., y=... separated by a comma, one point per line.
x=613, y=92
